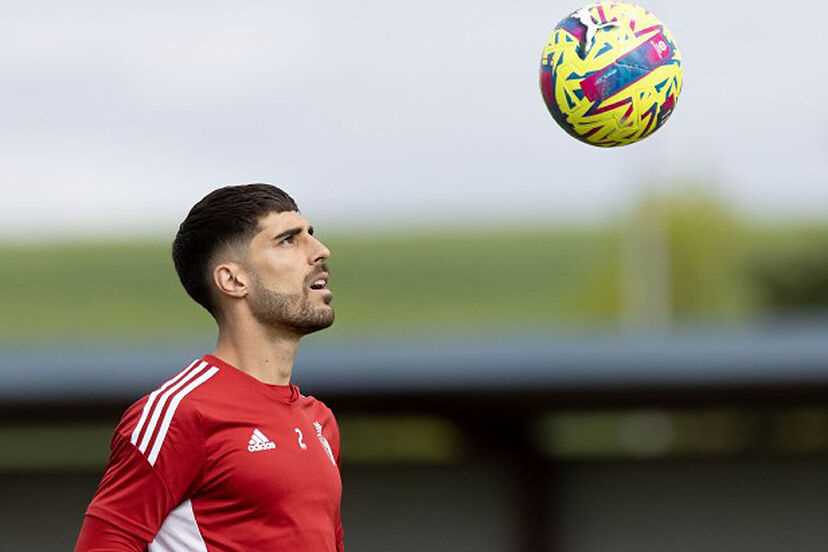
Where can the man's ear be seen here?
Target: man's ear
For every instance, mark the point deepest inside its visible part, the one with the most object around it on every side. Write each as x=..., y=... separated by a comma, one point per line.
x=231, y=279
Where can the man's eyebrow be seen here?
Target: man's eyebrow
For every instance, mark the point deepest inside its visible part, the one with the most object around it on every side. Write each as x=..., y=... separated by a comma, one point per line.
x=292, y=232
x=289, y=233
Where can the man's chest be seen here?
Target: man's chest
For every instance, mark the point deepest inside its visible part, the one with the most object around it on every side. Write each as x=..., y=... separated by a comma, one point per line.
x=282, y=463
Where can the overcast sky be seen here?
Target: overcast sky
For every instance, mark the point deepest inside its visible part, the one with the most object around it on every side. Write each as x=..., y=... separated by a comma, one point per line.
x=117, y=117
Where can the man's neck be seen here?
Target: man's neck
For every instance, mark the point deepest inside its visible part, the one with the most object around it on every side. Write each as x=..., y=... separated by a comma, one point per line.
x=265, y=354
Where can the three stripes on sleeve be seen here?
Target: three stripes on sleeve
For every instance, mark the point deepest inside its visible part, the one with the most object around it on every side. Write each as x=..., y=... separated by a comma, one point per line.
x=172, y=392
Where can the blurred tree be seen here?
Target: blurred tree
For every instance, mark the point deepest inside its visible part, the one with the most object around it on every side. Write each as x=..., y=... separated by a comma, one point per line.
x=792, y=274
x=684, y=261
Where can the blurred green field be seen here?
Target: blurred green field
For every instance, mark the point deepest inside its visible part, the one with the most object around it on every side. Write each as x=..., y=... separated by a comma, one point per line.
x=387, y=284
x=721, y=268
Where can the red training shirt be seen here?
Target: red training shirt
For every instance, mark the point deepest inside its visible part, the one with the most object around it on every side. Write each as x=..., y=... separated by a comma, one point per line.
x=216, y=460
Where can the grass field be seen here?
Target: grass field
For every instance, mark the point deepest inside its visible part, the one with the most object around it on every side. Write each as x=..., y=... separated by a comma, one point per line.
x=446, y=281
x=391, y=284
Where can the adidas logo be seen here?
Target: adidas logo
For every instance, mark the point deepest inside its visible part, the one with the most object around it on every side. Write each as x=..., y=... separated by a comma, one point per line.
x=258, y=441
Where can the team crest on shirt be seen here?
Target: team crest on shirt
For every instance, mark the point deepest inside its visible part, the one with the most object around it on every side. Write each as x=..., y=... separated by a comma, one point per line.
x=325, y=444
x=259, y=441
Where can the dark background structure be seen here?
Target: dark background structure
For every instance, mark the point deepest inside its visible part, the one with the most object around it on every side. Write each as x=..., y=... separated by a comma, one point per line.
x=696, y=441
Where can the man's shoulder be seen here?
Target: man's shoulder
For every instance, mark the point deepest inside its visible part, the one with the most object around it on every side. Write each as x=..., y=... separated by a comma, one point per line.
x=315, y=406
x=180, y=396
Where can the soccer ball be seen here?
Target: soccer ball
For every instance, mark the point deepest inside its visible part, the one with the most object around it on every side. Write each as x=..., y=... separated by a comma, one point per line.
x=611, y=74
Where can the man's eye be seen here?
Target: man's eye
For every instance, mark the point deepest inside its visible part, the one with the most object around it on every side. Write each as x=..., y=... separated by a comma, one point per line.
x=288, y=240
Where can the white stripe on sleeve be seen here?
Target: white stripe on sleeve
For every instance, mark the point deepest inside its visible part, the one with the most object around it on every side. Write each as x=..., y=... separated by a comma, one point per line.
x=151, y=401
x=156, y=413
x=165, y=425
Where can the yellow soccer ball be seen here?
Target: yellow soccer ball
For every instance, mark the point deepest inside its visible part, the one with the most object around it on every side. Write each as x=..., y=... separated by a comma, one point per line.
x=611, y=74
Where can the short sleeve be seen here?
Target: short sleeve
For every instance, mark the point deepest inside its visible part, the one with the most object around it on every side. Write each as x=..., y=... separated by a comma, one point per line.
x=151, y=470
x=97, y=535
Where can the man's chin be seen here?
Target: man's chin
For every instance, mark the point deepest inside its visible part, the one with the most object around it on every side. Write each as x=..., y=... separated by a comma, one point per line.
x=321, y=319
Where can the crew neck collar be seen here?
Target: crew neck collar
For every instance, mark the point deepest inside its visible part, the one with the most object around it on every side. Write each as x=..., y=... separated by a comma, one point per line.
x=284, y=393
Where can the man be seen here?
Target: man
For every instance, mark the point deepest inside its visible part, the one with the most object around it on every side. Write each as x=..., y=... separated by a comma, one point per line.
x=228, y=455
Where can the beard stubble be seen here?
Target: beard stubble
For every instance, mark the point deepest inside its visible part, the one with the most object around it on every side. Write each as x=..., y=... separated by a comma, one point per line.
x=292, y=311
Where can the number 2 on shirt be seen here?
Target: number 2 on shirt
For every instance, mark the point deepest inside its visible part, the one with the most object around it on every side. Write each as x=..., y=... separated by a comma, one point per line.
x=300, y=438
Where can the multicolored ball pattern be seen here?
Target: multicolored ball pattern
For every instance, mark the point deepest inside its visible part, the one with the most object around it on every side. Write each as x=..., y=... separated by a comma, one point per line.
x=611, y=74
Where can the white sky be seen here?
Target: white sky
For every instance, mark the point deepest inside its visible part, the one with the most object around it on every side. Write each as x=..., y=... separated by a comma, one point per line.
x=118, y=118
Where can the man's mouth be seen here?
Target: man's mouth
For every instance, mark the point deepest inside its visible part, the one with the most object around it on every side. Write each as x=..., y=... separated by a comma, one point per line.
x=320, y=282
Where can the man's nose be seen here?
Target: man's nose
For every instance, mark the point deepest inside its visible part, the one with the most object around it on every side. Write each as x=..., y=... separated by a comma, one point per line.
x=321, y=253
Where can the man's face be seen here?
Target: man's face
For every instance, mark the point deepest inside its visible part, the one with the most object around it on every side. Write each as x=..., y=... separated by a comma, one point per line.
x=289, y=286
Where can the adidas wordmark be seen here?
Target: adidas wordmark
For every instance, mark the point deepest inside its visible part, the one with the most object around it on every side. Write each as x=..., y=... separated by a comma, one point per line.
x=258, y=441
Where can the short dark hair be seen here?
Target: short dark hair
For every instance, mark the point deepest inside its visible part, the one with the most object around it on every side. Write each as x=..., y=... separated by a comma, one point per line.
x=226, y=216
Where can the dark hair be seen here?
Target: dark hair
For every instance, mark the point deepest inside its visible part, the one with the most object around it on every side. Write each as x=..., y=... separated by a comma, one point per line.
x=223, y=217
